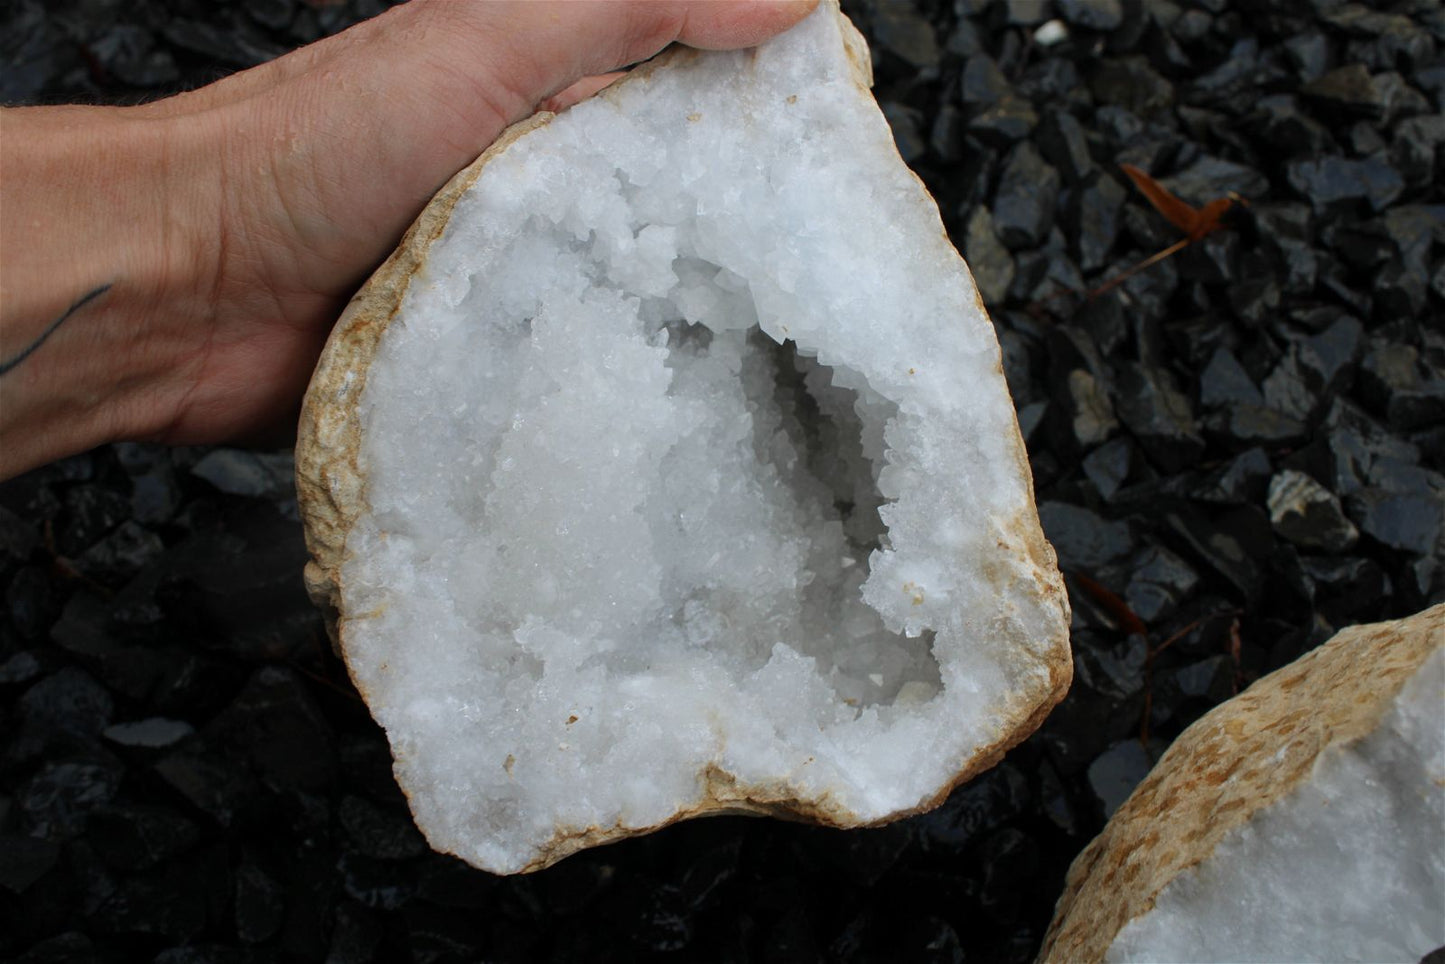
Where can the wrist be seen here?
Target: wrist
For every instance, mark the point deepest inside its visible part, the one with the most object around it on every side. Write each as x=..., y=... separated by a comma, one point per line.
x=95, y=198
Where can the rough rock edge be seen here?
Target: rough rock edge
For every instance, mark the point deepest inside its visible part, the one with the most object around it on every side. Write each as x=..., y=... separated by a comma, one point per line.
x=1221, y=771
x=331, y=490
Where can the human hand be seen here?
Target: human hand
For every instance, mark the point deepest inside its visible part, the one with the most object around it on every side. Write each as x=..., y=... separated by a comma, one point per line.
x=231, y=223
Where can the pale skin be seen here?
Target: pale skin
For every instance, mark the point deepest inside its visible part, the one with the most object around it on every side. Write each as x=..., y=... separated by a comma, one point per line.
x=218, y=234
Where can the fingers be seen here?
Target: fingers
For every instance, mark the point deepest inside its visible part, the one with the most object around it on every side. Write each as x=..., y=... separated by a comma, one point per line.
x=729, y=24
x=544, y=46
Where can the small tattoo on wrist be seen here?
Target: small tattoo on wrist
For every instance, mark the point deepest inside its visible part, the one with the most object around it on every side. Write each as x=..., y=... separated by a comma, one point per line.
x=28, y=350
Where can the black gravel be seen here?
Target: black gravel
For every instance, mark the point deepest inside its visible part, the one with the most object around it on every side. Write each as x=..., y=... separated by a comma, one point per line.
x=1237, y=451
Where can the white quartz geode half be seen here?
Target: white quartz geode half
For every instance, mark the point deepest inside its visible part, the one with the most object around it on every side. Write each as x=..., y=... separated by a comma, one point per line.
x=1303, y=820
x=668, y=467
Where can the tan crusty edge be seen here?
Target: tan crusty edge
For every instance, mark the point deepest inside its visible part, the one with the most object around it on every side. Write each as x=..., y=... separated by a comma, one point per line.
x=1242, y=756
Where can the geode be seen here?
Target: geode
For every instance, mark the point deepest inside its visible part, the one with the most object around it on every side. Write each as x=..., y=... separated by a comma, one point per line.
x=1301, y=820
x=668, y=468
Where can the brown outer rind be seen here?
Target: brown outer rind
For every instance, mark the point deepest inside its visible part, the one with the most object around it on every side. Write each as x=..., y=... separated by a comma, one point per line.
x=1226, y=767
x=331, y=488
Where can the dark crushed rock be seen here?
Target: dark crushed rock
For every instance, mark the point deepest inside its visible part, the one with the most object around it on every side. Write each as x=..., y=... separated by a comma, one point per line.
x=260, y=902
x=1023, y=210
x=70, y=947
x=1092, y=14
x=1115, y=672
x=1115, y=774
x=1093, y=221
x=982, y=84
x=1240, y=447
x=1336, y=184
x=1349, y=88
x=1159, y=415
x=1083, y=539
x=1009, y=120
x=24, y=860
x=1227, y=543
x=1343, y=585
x=1225, y=383
x=903, y=32
x=1307, y=514
x=1131, y=83
x=1240, y=481
x=991, y=263
x=56, y=801
x=1062, y=141
x=1254, y=425
x=1109, y=465
x=258, y=474
x=139, y=836
x=904, y=122
x=1209, y=177
x=1160, y=583
x=153, y=733
x=1407, y=521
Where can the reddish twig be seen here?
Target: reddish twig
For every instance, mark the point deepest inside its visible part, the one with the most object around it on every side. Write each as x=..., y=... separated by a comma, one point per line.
x=1236, y=647
x=1149, y=653
x=1117, y=607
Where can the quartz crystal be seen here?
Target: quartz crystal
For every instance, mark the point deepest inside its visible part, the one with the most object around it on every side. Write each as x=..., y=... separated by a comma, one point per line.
x=668, y=467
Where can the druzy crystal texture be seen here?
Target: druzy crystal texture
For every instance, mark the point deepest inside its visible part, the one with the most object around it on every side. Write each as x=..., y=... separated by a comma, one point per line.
x=668, y=467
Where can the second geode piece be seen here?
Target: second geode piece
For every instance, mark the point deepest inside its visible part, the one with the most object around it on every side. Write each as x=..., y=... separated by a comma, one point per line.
x=1302, y=820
